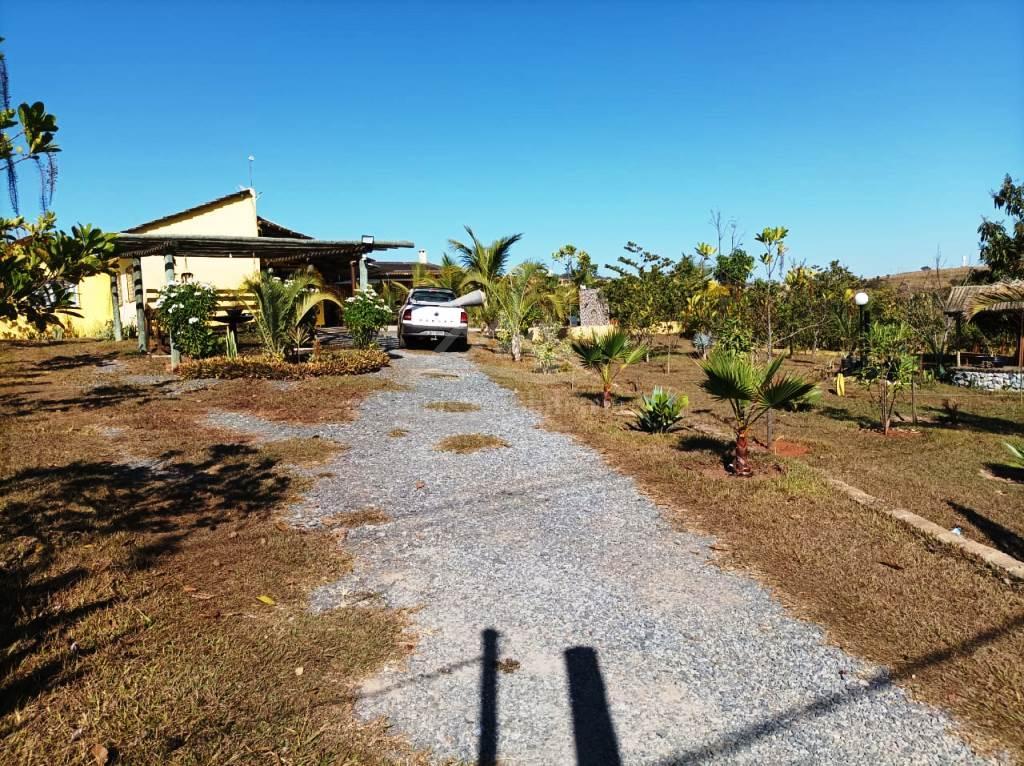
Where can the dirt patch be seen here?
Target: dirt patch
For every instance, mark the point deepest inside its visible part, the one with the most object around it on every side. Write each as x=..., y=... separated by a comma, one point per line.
x=785, y=448
x=452, y=406
x=466, y=443
x=397, y=433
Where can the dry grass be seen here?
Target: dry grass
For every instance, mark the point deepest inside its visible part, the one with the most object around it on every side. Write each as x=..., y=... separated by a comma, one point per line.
x=366, y=516
x=132, y=619
x=452, y=406
x=466, y=443
x=951, y=630
x=441, y=375
x=397, y=433
x=311, y=451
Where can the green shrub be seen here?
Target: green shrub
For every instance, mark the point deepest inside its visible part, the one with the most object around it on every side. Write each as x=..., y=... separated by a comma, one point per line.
x=347, y=362
x=549, y=350
x=660, y=411
x=183, y=310
x=365, y=314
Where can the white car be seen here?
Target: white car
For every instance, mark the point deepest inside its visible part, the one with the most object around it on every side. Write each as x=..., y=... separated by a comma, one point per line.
x=425, y=316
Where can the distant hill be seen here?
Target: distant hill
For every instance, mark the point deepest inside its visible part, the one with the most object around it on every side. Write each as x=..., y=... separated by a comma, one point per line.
x=929, y=279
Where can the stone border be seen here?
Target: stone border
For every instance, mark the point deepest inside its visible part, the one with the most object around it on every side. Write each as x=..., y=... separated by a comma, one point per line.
x=991, y=556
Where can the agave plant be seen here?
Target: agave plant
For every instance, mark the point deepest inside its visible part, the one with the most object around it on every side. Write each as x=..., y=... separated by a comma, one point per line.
x=1016, y=448
x=608, y=355
x=659, y=412
x=751, y=391
x=281, y=306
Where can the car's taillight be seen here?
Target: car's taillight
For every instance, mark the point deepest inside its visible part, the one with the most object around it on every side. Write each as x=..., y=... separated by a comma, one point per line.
x=464, y=318
x=407, y=315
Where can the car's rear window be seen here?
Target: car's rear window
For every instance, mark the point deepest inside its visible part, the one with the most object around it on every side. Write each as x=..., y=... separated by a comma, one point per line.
x=431, y=296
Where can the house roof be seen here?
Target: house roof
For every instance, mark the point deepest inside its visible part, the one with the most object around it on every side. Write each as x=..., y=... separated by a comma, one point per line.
x=399, y=268
x=267, y=228
x=962, y=297
x=238, y=195
x=272, y=250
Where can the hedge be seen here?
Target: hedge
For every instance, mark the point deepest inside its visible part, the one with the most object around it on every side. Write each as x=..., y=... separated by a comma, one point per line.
x=346, y=362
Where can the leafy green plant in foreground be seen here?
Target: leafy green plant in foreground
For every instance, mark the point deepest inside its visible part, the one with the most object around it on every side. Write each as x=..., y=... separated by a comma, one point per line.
x=659, y=412
x=752, y=391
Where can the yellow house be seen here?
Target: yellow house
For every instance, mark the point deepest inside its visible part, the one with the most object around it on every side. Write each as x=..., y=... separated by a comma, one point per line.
x=221, y=242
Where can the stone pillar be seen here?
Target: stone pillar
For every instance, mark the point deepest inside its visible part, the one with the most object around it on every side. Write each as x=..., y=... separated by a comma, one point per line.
x=168, y=278
x=593, y=308
x=115, y=300
x=140, y=304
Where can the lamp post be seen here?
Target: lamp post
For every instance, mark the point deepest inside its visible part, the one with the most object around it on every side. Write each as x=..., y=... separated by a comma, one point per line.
x=861, y=299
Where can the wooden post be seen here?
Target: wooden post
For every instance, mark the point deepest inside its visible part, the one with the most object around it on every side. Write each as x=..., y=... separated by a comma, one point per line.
x=115, y=300
x=168, y=278
x=913, y=400
x=140, y=304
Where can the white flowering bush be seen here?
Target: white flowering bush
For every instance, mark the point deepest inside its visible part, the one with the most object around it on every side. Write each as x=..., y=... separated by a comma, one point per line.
x=365, y=314
x=183, y=310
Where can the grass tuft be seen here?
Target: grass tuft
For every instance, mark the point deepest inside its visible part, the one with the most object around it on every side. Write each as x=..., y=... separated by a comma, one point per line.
x=465, y=443
x=453, y=406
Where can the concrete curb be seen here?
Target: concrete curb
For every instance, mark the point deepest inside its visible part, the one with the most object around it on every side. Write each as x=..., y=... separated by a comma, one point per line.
x=991, y=556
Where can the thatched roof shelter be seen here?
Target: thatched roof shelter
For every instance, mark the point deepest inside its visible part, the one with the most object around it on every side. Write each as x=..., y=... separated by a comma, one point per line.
x=962, y=298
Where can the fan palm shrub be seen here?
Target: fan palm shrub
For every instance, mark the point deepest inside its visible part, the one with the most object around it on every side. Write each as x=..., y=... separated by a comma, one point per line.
x=608, y=355
x=281, y=306
x=751, y=391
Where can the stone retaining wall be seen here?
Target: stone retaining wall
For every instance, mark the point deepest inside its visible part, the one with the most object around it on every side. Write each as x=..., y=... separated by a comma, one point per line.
x=989, y=380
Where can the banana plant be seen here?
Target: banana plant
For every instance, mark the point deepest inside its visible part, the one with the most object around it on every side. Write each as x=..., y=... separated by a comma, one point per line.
x=752, y=391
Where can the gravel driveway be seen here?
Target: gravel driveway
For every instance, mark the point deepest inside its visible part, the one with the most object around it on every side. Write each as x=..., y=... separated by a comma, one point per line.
x=562, y=621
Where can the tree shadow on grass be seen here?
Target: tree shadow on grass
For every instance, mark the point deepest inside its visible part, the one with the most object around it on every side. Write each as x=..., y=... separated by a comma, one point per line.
x=1006, y=540
x=969, y=421
x=95, y=398
x=48, y=510
x=74, y=361
x=844, y=415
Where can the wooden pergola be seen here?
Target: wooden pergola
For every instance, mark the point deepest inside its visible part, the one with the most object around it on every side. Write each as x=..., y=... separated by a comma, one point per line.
x=961, y=300
x=327, y=256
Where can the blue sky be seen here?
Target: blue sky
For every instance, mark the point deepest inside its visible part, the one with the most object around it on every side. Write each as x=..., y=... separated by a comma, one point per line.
x=874, y=131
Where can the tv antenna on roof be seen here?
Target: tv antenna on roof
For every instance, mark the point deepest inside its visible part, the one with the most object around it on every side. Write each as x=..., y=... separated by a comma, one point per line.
x=251, y=160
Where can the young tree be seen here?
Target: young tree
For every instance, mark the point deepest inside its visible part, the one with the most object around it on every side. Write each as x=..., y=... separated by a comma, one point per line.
x=521, y=297
x=734, y=269
x=889, y=366
x=704, y=253
x=484, y=266
x=773, y=260
x=579, y=267
x=1002, y=250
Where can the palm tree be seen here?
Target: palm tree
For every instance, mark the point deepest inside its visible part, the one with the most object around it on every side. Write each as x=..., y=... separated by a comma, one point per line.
x=451, y=275
x=520, y=298
x=608, y=355
x=752, y=391
x=281, y=306
x=484, y=264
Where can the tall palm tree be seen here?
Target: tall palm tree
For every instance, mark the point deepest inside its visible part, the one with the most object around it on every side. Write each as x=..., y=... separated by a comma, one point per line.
x=752, y=391
x=450, y=276
x=483, y=263
x=608, y=355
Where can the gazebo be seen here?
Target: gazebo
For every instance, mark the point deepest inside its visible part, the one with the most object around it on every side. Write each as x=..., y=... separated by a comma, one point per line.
x=334, y=259
x=960, y=305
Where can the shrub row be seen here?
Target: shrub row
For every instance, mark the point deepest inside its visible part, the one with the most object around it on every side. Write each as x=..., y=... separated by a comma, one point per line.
x=346, y=362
